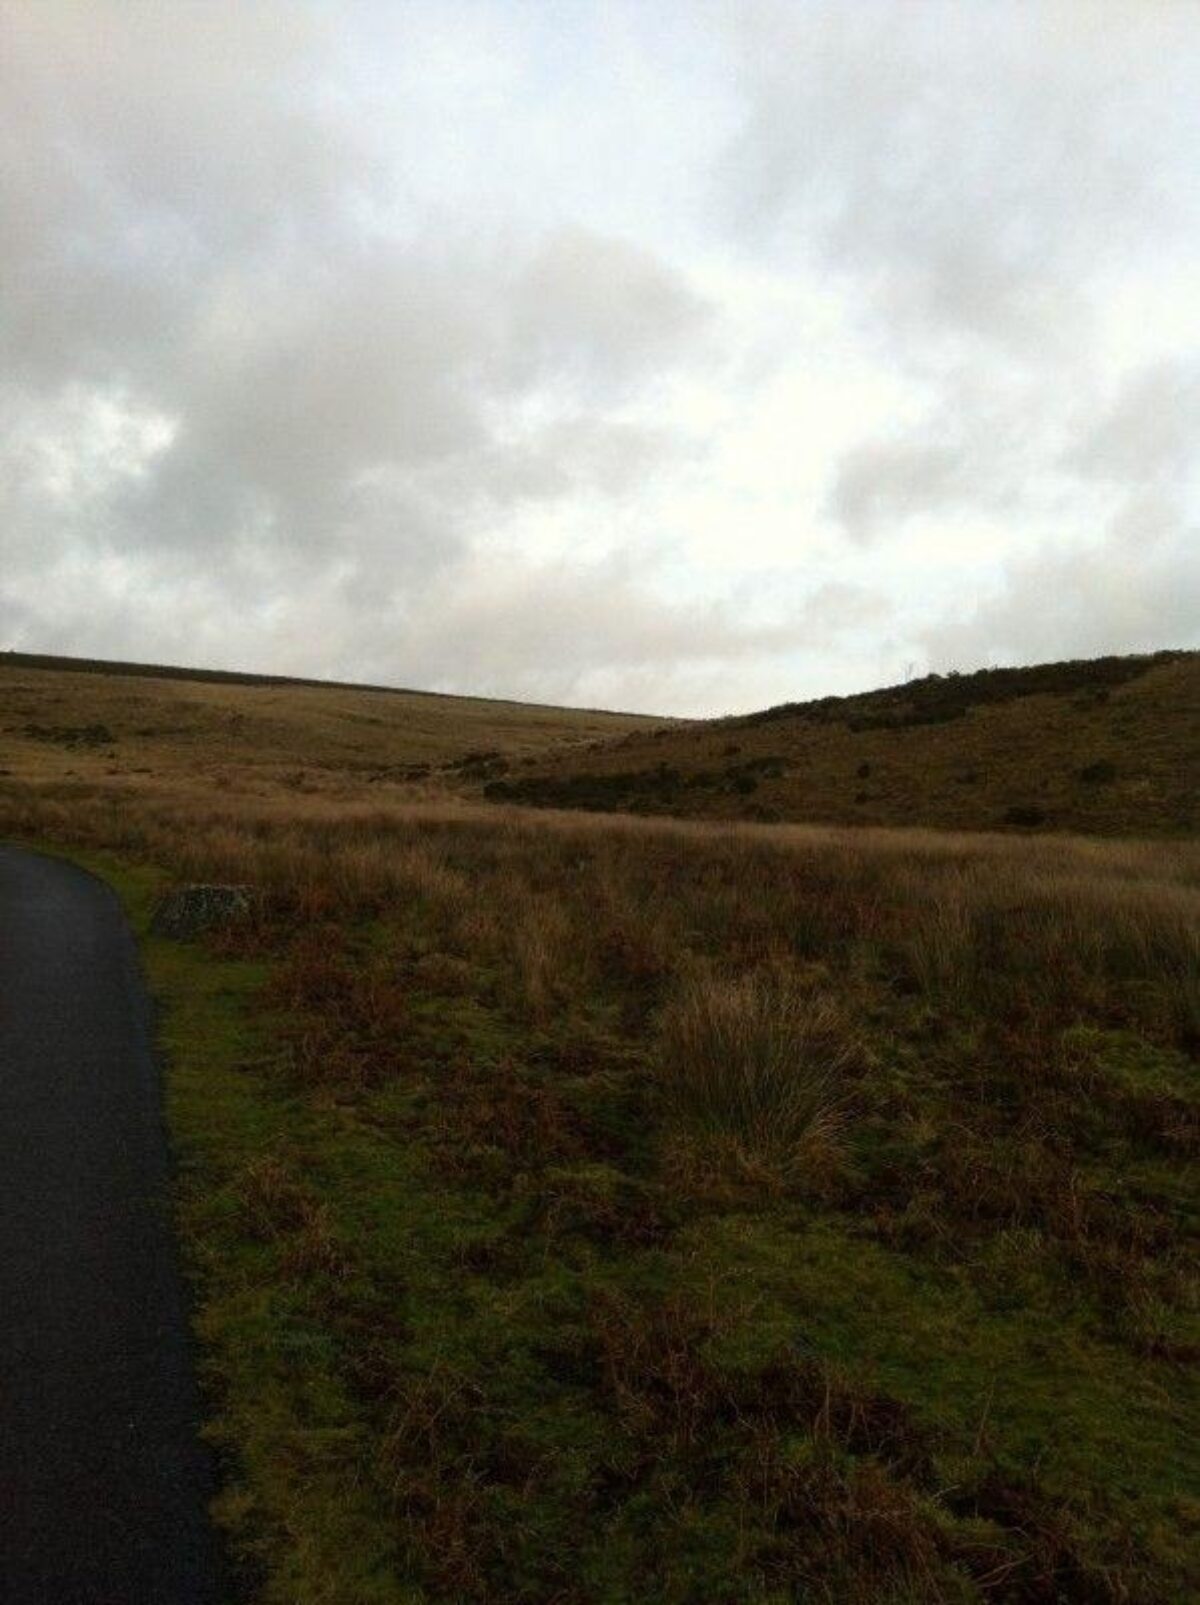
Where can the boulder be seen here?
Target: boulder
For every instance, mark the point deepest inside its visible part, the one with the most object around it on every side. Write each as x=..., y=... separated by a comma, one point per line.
x=189, y=910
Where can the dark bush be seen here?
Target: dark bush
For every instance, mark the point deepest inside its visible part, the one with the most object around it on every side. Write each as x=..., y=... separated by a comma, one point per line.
x=1098, y=773
x=1024, y=815
x=938, y=698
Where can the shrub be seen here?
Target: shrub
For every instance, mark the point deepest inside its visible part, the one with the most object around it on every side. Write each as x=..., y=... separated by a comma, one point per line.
x=760, y=1067
x=1099, y=773
x=1024, y=815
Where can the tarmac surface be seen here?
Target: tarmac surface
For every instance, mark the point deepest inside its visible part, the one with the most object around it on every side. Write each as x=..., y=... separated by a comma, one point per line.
x=104, y=1484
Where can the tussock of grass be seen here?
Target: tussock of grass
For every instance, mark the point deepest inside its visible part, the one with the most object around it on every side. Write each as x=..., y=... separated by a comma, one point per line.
x=760, y=1066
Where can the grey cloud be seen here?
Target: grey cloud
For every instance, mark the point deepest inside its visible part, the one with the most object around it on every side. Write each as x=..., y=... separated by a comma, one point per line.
x=1150, y=430
x=597, y=311
x=576, y=453
x=1136, y=588
x=962, y=162
x=343, y=412
x=141, y=147
x=984, y=445
x=881, y=483
x=352, y=394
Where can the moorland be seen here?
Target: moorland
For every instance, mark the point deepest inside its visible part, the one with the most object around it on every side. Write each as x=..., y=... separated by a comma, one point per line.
x=686, y=1189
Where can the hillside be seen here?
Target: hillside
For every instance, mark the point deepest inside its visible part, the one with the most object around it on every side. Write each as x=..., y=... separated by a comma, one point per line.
x=1110, y=745
x=129, y=724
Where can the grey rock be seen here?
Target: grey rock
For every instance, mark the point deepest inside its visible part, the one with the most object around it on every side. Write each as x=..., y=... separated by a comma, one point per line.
x=189, y=910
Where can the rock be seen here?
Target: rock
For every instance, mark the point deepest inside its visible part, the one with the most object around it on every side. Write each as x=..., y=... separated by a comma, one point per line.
x=189, y=910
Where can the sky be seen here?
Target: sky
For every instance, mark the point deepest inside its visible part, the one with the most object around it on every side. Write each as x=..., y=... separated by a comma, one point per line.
x=681, y=357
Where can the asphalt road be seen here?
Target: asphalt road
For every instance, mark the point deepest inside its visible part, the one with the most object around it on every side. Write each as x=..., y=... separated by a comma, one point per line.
x=103, y=1483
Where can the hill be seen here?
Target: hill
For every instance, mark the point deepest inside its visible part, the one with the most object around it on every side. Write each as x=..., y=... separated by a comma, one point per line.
x=130, y=724
x=1108, y=745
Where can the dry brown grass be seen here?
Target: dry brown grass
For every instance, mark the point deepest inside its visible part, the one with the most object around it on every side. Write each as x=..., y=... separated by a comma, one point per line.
x=1129, y=895
x=564, y=901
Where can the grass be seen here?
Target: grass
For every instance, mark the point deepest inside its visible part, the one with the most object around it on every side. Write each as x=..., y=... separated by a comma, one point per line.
x=611, y=1209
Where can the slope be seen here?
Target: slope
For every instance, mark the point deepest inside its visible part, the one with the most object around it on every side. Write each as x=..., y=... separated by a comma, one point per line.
x=1109, y=745
x=127, y=725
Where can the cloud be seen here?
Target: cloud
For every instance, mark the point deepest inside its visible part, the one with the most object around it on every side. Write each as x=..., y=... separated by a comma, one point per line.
x=605, y=632
x=450, y=345
x=597, y=313
x=1003, y=198
x=880, y=483
x=1138, y=585
x=973, y=167
x=1148, y=433
x=983, y=442
x=225, y=389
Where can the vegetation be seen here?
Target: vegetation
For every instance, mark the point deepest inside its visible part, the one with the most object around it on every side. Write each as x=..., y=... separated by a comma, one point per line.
x=1106, y=746
x=620, y=1209
x=938, y=698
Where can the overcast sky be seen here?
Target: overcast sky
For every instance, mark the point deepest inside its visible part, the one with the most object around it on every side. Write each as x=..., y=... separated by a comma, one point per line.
x=676, y=356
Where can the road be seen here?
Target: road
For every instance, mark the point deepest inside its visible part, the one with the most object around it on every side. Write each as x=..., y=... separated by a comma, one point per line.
x=103, y=1482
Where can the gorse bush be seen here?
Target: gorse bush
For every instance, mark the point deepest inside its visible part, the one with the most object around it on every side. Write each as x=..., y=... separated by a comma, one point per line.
x=760, y=1065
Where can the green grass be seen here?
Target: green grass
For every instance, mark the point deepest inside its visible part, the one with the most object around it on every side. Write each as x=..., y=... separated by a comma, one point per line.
x=287, y=1431
x=468, y=1335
